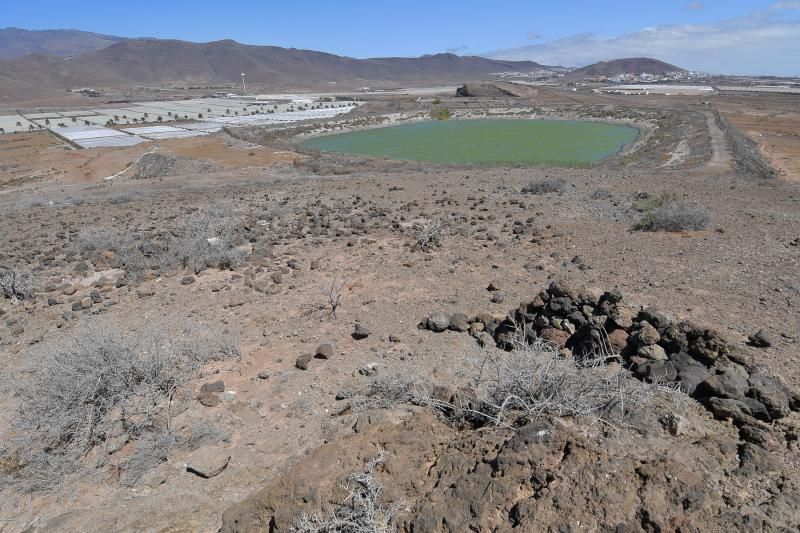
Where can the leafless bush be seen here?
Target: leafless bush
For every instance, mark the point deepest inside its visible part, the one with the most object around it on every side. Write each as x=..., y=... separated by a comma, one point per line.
x=100, y=383
x=545, y=185
x=429, y=233
x=674, y=215
x=15, y=284
x=361, y=511
x=208, y=241
x=602, y=194
x=152, y=450
x=535, y=380
x=327, y=303
x=96, y=239
x=390, y=392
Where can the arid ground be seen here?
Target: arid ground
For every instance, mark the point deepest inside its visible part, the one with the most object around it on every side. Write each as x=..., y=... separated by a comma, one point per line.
x=311, y=310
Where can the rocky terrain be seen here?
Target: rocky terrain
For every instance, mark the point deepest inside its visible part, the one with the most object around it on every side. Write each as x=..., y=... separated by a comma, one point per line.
x=407, y=346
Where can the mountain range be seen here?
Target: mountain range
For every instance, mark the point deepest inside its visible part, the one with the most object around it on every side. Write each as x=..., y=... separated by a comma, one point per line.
x=61, y=60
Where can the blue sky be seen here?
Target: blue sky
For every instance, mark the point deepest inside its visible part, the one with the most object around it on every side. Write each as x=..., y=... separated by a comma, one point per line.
x=732, y=36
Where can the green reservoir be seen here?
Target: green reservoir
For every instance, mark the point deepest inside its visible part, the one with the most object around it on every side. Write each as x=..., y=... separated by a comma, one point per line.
x=486, y=141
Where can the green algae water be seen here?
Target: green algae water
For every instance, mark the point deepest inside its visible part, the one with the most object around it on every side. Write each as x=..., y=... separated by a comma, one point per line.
x=486, y=141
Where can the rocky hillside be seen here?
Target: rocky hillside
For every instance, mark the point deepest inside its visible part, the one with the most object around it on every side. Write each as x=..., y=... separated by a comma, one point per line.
x=164, y=61
x=16, y=42
x=631, y=65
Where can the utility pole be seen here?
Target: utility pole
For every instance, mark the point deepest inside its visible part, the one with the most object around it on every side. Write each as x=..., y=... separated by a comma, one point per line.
x=244, y=86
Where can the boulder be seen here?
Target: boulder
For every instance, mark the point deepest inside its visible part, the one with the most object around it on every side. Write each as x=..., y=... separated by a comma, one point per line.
x=760, y=339
x=555, y=337
x=645, y=335
x=654, y=352
x=438, y=321
x=360, y=332
x=303, y=361
x=208, y=462
x=618, y=340
x=459, y=322
x=324, y=351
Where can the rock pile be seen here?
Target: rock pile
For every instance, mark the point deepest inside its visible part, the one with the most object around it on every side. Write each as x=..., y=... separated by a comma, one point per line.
x=653, y=345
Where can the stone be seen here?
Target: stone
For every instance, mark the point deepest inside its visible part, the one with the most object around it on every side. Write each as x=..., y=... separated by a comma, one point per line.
x=691, y=372
x=207, y=462
x=663, y=371
x=96, y=297
x=589, y=339
x=645, y=335
x=706, y=344
x=618, y=339
x=555, y=337
x=187, y=280
x=562, y=289
x=303, y=361
x=658, y=320
x=724, y=385
x=775, y=396
x=86, y=303
x=52, y=301
x=263, y=374
x=69, y=290
x=17, y=330
x=498, y=298
x=653, y=352
x=676, y=424
x=493, y=287
x=760, y=339
x=673, y=338
x=438, y=321
x=590, y=296
x=459, y=322
x=369, y=369
x=360, y=332
x=324, y=351
x=726, y=408
x=208, y=399
x=622, y=317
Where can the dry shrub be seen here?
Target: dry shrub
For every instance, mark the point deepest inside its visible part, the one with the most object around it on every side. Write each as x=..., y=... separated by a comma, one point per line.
x=670, y=214
x=535, y=380
x=428, y=234
x=208, y=240
x=100, y=383
x=15, y=284
x=546, y=185
x=361, y=511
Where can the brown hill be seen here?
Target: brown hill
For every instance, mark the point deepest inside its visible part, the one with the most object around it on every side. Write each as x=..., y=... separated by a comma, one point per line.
x=143, y=61
x=630, y=65
x=16, y=42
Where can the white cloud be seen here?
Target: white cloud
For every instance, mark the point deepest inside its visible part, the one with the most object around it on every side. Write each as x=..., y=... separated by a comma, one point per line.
x=757, y=44
x=695, y=5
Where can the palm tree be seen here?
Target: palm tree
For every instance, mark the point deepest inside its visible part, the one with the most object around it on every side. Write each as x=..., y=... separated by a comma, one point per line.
x=74, y=119
x=2, y=131
x=160, y=118
x=19, y=124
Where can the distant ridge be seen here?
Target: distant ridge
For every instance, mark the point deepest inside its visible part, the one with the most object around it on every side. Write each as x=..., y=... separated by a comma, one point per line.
x=16, y=42
x=162, y=62
x=630, y=65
